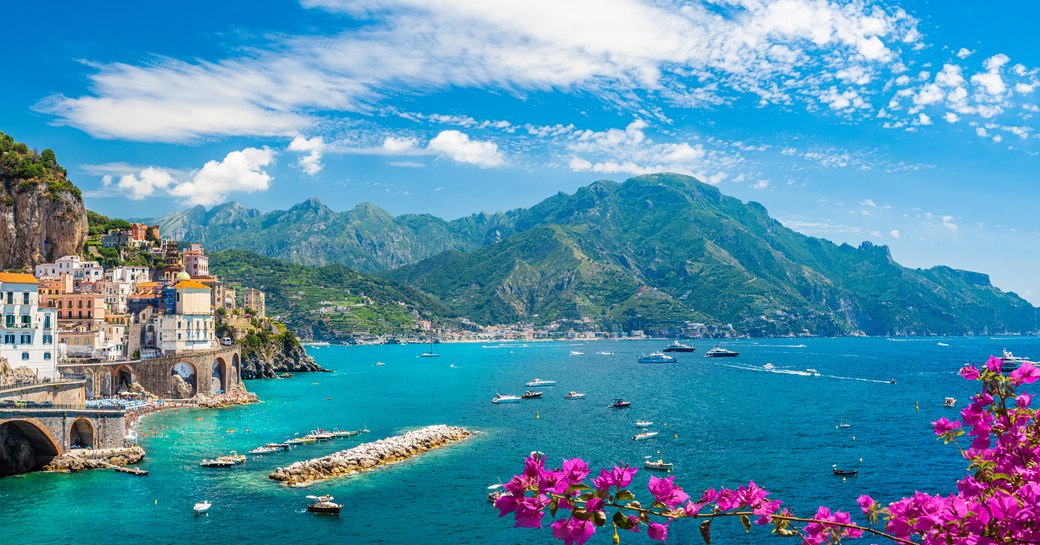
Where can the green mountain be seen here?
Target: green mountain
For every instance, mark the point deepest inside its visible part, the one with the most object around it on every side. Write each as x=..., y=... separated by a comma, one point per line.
x=367, y=238
x=665, y=248
x=329, y=302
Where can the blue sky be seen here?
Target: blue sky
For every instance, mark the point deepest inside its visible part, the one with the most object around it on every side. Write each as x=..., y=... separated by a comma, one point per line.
x=912, y=125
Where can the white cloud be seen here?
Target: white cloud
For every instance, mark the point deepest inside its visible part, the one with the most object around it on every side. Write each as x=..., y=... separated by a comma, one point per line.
x=894, y=233
x=143, y=184
x=460, y=148
x=690, y=53
x=947, y=222
x=407, y=164
x=239, y=172
x=923, y=119
x=964, y=53
x=868, y=202
x=312, y=148
x=951, y=117
x=400, y=144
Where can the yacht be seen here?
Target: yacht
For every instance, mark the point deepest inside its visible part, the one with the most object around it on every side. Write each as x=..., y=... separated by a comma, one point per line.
x=278, y=446
x=619, y=404
x=1011, y=361
x=950, y=402
x=644, y=435
x=219, y=462
x=432, y=353
x=536, y=382
x=531, y=395
x=259, y=451
x=656, y=357
x=505, y=398
x=344, y=433
x=323, y=504
x=768, y=366
x=812, y=372
x=574, y=395
x=677, y=346
x=202, y=507
x=658, y=464
x=643, y=423
x=234, y=458
x=719, y=352
x=322, y=435
x=576, y=353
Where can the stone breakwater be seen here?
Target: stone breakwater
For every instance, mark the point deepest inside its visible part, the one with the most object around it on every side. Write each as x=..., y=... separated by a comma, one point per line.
x=79, y=460
x=369, y=456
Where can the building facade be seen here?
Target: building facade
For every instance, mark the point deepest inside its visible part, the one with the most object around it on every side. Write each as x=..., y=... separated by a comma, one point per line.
x=27, y=331
x=253, y=299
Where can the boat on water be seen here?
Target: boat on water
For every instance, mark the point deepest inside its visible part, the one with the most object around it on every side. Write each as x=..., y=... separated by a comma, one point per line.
x=602, y=353
x=941, y=344
x=677, y=346
x=218, y=462
x=202, y=507
x=322, y=434
x=843, y=425
x=643, y=423
x=658, y=464
x=344, y=433
x=323, y=505
x=645, y=435
x=531, y=395
x=234, y=457
x=812, y=372
x=278, y=446
x=536, y=382
x=768, y=366
x=574, y=395
x=285, y=375
x=619, y=404
x=432, y=353
x=576, y=353
x=844, y=471
x=656, y=357
x=1011, y=361
x=950, y=402
x=260, y=451
x=719, y=352
x=379, y=364
x=505, y=398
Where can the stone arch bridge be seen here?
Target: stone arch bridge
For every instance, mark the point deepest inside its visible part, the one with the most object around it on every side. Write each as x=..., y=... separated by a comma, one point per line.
x=172, y=376
x=31, y=438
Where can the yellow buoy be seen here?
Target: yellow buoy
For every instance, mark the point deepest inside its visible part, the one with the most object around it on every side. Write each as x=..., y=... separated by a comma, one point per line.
x=677, y=436
x=917, y=406
x=536, y=417
x=156, y=502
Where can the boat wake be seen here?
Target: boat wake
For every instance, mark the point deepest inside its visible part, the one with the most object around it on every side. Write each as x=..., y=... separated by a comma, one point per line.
x=782, y=345
x=799, y=372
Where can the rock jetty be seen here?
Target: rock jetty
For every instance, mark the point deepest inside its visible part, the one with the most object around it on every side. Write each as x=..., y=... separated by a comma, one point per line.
x=369, y=456
x=79, y=460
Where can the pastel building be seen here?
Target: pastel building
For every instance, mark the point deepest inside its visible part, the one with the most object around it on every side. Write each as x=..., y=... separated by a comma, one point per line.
x=196, y=263
x=190, y=327
x=86, y=271
x=253, y=299
x=27, y=331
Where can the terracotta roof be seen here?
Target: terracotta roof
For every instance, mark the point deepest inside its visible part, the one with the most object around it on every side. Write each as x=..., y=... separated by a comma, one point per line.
x=191, y=284
x=18, y=278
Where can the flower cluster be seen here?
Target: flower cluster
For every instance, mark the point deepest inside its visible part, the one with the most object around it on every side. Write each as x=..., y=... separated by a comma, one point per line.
x=998, y=502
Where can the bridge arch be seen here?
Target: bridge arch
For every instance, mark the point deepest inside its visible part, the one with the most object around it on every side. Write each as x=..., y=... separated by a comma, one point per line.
x=236, y=369
x=88, y=384
x=219, y=382
x=26, y=444
x=122, y=378
x=188, y=376
x=82, y=434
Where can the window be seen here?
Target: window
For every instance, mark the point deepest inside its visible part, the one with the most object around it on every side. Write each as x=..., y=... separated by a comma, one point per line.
x=8, y=339
x=47, y=321
x=9, y=320
x=48, y=339
x=26, y=320
x=27, y=339
x=25, y=298
x=10, y=297
x=25, y=356
x=46, y=355
x=80, y=312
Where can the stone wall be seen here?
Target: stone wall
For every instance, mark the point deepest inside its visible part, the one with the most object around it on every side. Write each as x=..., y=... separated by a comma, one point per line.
x=69, y=393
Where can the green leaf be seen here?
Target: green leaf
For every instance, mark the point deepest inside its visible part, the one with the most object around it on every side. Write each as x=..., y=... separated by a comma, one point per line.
x=623, y=522
x=587, y=496
x=581, y=514
x=579, y=486
x=624, y=495
x=746, y=522
x=599, y=518
x=553, y=506
x=706, y=531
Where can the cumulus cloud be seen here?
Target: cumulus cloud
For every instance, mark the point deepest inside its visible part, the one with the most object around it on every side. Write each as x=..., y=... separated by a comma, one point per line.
x=312, y=148
x=460, y=148
x=239, y=172
x=690, y=53
x=894, y=233
x=964, y=53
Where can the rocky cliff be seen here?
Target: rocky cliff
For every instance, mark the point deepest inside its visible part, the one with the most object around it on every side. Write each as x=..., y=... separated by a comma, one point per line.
x=266, y=357
x=42, y=216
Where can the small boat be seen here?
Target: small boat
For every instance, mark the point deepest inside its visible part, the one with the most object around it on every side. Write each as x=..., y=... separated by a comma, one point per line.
x=344, y=433
x=643, y=423
x=536, y=382
x=619, y=404
x=604, y=353
x=576, y=353
x=843, y=425
x=302, y=440
x=234, y=457
x=285, y=375
x=531, y=395
x=644, y=435
x=719, y=352
x=768, y=367
x=505, y=398
x=844, y=471
x=941, y=344
x=812, y=372
x=202, y=507
x=278, y=446
x=677, y=346
x=656, y=357
x=380, y=364
x=219, y=462
x=658, y=464
x=432, y=353
x=949, y=402
x=324, y=505
x=260, y=451
x=574, y=395
x=322, y=434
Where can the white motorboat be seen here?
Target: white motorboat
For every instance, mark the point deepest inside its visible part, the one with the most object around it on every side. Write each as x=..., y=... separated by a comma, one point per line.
x=645, y=435
x=812, y=372
x=1011, y=361
x=950, y=402
x=719, y=352
x=576, y=353
x=505, y=398
x=643, y=423
x=260, y=451
x=202, y=507
x=536, y=382
x=768, y=367
x=656, y=357
x=574, y=395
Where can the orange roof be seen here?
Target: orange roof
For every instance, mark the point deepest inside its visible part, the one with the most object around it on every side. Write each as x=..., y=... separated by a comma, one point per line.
x=18, y=278
x=191, y=284
x=148, y=285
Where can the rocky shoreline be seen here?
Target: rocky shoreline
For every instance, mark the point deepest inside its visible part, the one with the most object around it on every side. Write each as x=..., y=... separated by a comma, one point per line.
x=79, y=460
x=370, y=456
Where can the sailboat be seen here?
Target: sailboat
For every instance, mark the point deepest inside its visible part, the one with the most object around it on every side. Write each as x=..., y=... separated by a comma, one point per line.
x=432, y=353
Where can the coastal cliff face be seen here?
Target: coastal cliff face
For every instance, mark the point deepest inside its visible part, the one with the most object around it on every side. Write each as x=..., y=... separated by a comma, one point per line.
x=278, y=354
x=42, y=216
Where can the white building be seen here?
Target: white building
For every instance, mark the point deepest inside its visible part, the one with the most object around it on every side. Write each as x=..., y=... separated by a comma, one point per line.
x=27, y=332
x=191, y=327
x=88, y=271
x=134, y=275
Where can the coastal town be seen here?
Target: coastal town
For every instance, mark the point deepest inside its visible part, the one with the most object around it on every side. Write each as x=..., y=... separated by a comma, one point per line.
x=87, y=350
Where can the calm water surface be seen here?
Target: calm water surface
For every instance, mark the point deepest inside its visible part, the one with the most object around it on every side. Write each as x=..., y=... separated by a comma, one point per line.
x=722, y=422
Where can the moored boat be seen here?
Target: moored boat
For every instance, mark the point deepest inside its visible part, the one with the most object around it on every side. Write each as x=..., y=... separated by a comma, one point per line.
x=536, y=382
x=1010, y=362
x=677, y=346
x=844, y=471
x=574, y=395
x=324, y=505
x=531, y=395
x=278, y=446
x=344, y=433
x=322, y=434
x=656, y=357
x=619, y=404
x=950, y=402
x=285, y=375
x=644, y=435
x=719, y=352
x=202, y=507
x=218, y=462
x=576, y=353
x=505, y=398
x=260, y=451
x=302, y=440
x=644, y=423
x=234, y=457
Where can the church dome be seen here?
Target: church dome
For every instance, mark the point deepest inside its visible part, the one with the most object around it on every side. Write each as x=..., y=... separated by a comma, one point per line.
x=183, y=275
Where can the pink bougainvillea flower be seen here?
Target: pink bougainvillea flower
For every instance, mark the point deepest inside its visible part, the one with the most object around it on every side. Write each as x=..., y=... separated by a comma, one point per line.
x=943, y=425
x=620, y=476
x=575, y=470
x=970, y=372
x=1023, y=401
x=1026, y=374
x=866, y=503
x=994, y=364
x=573, y=531
x=658, y=532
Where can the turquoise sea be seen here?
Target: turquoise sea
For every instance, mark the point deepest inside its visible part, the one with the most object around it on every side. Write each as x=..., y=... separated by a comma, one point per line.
x=722, y=422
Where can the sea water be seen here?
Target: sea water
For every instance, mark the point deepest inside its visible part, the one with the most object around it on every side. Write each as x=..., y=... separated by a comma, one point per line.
x=722, y=422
